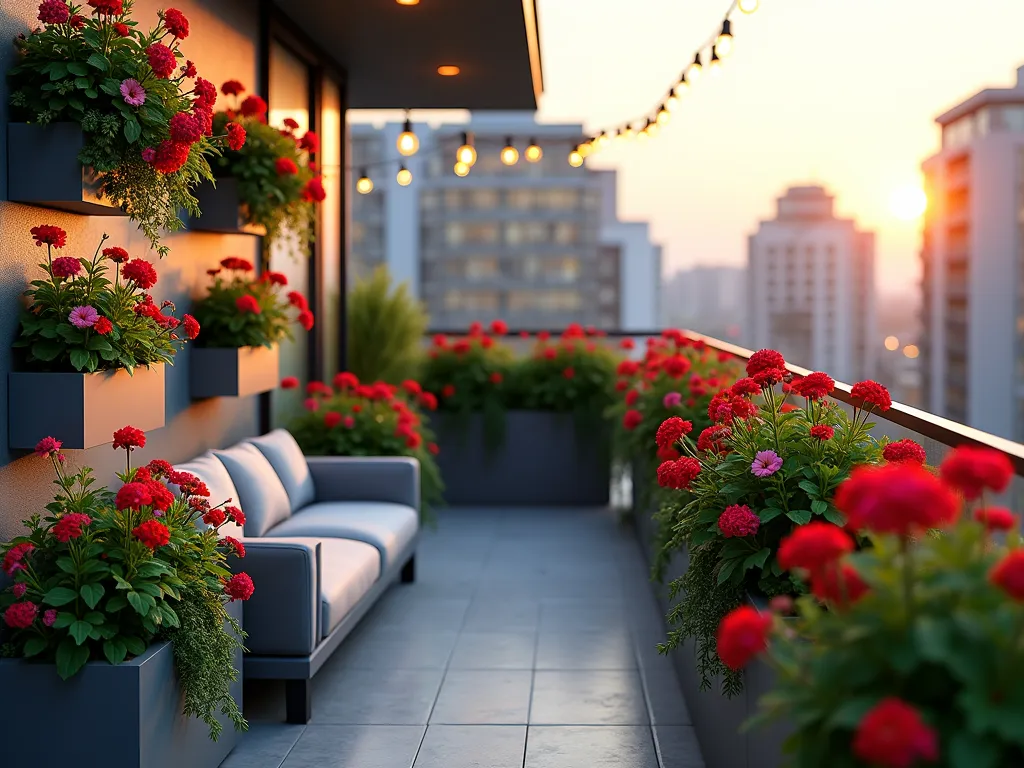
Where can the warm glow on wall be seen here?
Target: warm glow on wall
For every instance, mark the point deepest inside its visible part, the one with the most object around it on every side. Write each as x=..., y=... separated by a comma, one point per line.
x=448, y=70
x=408, y=2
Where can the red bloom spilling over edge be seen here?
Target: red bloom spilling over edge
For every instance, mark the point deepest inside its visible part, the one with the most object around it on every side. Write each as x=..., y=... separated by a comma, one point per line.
x=191, y=326
x=892, y=734
x=233, y=545
x=738, y=521
x=152, y=534
x=975, y=470
x=871, y=393
x=996, y=518
x=236, y=136
x=176, y=23
x=896, y=498
x=678, y=474
x=904, y=451
x=48, y=446
x=129, y=438
x=839, y=584
x=21, y=615
x=671, y=430
x=814, y=546
x=742, y=635
x=239, y=587
x=1008, y=574
x=815, y=386
x=763, y=360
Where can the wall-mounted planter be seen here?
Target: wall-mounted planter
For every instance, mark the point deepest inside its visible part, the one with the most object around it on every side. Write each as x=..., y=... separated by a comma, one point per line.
x=129, y=713
x=232, y=372
x=43, y=169
x=82, y=409
x=545, y=459
x=222, y=210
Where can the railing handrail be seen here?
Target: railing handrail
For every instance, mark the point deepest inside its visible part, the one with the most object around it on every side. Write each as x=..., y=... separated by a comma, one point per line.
x=929, y=425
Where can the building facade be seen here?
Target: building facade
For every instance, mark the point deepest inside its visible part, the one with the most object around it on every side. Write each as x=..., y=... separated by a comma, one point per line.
x=709, y=300
x=537, y=244
x=972, y=257
x=811, y=287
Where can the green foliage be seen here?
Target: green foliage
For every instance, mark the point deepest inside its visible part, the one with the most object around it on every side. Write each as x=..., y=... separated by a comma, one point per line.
x=228, y=322
x=801, y=491
x=101, y=593
x=74, y=74
x=141, y=334
x=385, y=330
x=574, y=375
x=468, y=375
x=949, y=645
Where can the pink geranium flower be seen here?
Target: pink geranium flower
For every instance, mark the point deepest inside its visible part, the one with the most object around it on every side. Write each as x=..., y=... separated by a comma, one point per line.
x=672, y=399
x=766, y=463
x=133, y=92
x=83, y=317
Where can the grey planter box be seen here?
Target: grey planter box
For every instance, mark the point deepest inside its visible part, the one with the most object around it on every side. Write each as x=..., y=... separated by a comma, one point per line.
x=130, y=714
x=233, y=372
x=544, y=460
x=222, y=211
x=718, y=720
x=82, y=409
x=43, y=169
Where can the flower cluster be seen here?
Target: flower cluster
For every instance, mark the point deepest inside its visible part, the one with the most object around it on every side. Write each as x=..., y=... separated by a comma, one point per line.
x=240, y=310
x=469, y=374
x=278, y=181
x=918, y=655
x=96, y=314
x=104, y=573
x=148, y=133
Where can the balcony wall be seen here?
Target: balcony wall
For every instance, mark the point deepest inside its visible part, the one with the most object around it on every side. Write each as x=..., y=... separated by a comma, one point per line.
x=223, y=44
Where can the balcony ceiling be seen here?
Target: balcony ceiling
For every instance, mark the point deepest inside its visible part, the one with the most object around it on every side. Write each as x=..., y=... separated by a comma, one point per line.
x=391, y=52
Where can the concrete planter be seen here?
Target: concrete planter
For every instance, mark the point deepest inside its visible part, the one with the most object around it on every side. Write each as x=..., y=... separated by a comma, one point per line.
x=233, y=371
x=128, y=716
x=43, y=169
x=82, y=409
x=544, y=460
x=222, y=211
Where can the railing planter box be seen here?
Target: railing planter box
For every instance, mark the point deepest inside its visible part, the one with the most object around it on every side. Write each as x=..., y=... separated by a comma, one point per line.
x=544, y=459
x=222, y=210
x=232, y=371
x=43, y=169
x=124, y=716
x=82, y=409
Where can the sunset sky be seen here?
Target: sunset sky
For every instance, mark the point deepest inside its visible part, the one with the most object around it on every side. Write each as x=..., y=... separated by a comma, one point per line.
x=838, y=92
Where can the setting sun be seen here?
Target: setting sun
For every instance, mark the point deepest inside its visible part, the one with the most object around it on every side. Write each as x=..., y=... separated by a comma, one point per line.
x=908, y=203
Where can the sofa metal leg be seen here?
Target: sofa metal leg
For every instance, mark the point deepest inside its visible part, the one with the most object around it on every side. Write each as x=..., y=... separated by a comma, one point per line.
x=298, y=701
x=409, y=571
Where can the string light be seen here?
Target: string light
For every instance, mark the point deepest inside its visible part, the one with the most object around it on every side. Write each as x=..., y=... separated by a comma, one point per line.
x=576, y=158
x=466, y=154
x=696, y=69
x=672, y=102
x=682, y=87
x=509, y=155
x=365, y=185
x=628, y=133
x=585, y=149
x=748, y=6
x=715, y=65
x=652, y=128
x=723, y=44
x=408, y=143
x=404, y=176
x=533, y=152
x=461, y=169
x=663, y=115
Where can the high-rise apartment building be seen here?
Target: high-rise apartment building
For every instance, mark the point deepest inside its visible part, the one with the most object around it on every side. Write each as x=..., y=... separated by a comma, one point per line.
x=537, y=244
x=973, y=264
x=811, y=287
x=709, y=300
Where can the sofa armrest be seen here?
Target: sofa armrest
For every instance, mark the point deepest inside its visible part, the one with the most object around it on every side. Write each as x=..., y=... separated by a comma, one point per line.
x=282, y=618
x=394, y=479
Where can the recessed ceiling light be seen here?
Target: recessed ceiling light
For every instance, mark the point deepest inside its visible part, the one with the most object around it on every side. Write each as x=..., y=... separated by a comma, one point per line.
x=408, y=2
x=448, y=70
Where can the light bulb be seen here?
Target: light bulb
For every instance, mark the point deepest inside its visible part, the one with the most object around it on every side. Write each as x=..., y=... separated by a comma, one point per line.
x=652, y=129
x=509, y=155
x=404, y=177
x=467, y=152
x=533, y=152
x=602, y=140
x=575, y=158
x=408, y=143
x=628, y=133
x=695, y=69
x=643, y=135
x=461, y=169
x=672, y=102
x=663, y=116
x=585, y=149
x=682, y=87
x=715, y=65
x=724, y=42
x=749, y=6
x=365, y=184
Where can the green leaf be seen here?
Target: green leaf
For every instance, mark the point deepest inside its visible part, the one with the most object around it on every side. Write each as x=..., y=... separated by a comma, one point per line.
x=80, y=631
x=799, y=516
x=81, y=83
x=726, y=570
x=95, y=618
x=111, y=87
x=132, y=130
x=757, y=559
x=135, y=645
x=58, y=69
x=769, y=513
x=35, y=645
x=99, y=61
x=77, y=68
x=66, y=564
x=60, y=596
x=64, y=620
x=819, y=507
x=70, y=658
x=46, y=350
x=115, y=651
x=80, y=358
x=92, y=593
x=812, y=488
x=851, y=711
x=969, y=750
x=835, y=517
x=138, y=603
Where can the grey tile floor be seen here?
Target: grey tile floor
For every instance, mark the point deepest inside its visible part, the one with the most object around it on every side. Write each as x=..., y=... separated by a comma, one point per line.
x=527, y=641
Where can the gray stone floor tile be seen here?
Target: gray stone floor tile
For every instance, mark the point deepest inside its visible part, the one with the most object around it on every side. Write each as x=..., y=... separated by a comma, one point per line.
x=494, y=650
x=349, y=746
x=678, y=746
x=412, y=610
x=264, y=745
x=478, y=697
x=588, y=698
x=585, y=649
x=490, y=614
x=350, y=696
x=393, y=647
x=590, y=747
x=473, y=746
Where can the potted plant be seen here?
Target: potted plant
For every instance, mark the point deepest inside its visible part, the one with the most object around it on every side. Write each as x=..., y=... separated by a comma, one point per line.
x=269, y=185
x=103, y=120
x=907, y=652
x=379, y=419
x=95, y=343
x=244, y=320
x=123, y=594
x=385, y=329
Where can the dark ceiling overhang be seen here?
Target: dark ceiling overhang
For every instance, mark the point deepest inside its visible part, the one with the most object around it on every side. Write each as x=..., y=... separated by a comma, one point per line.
x=391, y=52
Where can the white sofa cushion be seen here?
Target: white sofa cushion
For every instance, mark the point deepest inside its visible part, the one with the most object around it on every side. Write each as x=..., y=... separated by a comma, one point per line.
x=285, y=456
x=264, y=499
x=348, y=569
x=388, y=527
x=211, y=471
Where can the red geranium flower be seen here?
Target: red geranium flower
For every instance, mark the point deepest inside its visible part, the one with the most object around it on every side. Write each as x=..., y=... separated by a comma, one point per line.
x=668, y=453
x=162, y=497
x=159, y=468
x=48, y=446
x=129, y=437
x=253, y=106
x=233, y=545
x=152, y=533
x=170, y=156
x=822, y=432
x=305, y=319
x=738, y=521
x=235, y=515
x=741, y=387
x=311, y=404
x=678, y=474
x=206, y=94
x=236, y=136
x=53, y=12
x=285, y=166
x=110, y=7
x=896, y=498
x=237, y=264
x=893, y=735
x=769, y=376
x=133, y=496
x=347, y=380
x=70, y=526
x=239, y=587
x=632, y=396
x=77, y=21
x=161, y=60
x=176, y=23
x=248, y=305
x=1008, y=574
x=742, y=635
x=289, y=382
x=215, y=517
x=188, y=69
x=310, y=142
x=815, y=386
x=632, y=419
x=232, y=88
x=116, y=254
x=996, y=518
x=671, y=430
x=332, y=419
x=814, y=546
x=21, y=615
x=763, y=360
x=569, y=372
x=973, y=470
x=499, y=327
x=429, y=401
x=904, y=451
x=627, y=344
x=871, y=393
x=713, y=439
x=185, y=129
x=46, y=233
x=15, y=555
x=314, y=191
x=448, y=390
x=191, y=326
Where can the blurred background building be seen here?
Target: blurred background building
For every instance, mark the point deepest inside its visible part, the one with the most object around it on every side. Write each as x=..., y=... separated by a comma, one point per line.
x=709, y=300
